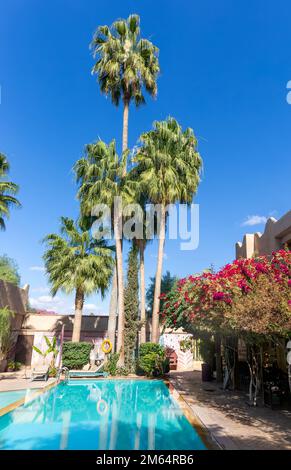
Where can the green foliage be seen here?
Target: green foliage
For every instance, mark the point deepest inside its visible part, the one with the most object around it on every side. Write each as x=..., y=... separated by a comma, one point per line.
x=76, y=355
x=76, y=260
x=126, y=63
x=167, y=283
x=131, y=302
x=152, y=359
x=111, y=365
x=147, y=348
x=99, y=176
x=53, y=372
x=5, y=331
x=51, y=348
x=152, y=364
x=7, y=192
x=122, y=371
x=168, y=163
x=207, y=348
x=186, y=344
x=13, y=365
x=9, y=270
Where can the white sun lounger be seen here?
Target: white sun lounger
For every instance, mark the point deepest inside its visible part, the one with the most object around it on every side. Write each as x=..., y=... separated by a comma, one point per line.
x=40, y=373
x=96, y=372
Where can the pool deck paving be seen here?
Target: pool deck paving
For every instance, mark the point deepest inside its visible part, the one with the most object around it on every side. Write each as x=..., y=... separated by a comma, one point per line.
x=20, y=380
x=231, y=422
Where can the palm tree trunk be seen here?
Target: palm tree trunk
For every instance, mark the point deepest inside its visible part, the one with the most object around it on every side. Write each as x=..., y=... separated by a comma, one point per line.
x=117, y=232
x=142, y=293
x=156, y=306
x=218, y=358
x=125, y=126
x=113, y=310
x=79, y=302
x=120, y=332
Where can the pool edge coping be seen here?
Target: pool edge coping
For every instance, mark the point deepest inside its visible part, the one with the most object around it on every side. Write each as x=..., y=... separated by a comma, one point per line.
x=204, y=433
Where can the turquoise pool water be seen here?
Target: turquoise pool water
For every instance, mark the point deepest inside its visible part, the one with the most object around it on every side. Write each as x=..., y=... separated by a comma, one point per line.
x=100, y=415
x=6, y=398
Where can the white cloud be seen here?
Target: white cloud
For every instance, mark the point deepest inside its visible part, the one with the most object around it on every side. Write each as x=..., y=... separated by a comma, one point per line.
x=90, y=306
x=37, y=268
x=39, y=290
x=47, y=302
x=254, y=220
x=48, y=299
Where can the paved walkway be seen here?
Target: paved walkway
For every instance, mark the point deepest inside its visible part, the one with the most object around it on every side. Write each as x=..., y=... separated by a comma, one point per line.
x=20, y=380
x=231, y=422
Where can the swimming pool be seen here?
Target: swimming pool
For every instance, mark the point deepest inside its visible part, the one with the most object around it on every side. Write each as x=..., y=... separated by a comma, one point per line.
x=6, y=398
x=100, y=415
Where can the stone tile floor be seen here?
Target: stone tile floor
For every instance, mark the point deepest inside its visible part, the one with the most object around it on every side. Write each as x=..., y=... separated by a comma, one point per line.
x=228, y=417
x=20, y=380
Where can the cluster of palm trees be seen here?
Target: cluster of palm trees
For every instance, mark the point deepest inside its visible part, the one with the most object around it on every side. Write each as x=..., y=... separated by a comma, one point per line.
x=162, y=169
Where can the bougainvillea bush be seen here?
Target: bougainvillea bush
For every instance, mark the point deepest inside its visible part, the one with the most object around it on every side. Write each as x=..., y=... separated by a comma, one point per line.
x=248, y=295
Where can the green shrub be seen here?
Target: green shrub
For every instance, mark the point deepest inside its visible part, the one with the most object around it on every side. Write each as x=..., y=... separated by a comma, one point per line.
x=146, y=348
x=13, y=366
x=152, y=360
x=122, y=371
x=76, y=355
x=53, y=372
x=111, y=365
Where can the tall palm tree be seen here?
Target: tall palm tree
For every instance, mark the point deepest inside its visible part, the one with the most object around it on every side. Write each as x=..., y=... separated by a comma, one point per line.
x=140, y=197
x=7, y=192
x=126, y=64
x=75, y=261
x=169, y=167
x=100, y=177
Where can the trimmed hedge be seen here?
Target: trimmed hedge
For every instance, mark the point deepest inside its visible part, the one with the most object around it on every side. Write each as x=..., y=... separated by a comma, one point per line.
x=76, y=355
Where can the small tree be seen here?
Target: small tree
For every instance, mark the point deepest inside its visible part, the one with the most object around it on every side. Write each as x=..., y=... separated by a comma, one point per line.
x=131, y=308
x=249, y=298
x=51, y=348
x=77, y=262
x=5, y=331
x=9, y=270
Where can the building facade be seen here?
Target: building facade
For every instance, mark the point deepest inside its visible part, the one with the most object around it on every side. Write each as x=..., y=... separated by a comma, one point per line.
x=277, y=235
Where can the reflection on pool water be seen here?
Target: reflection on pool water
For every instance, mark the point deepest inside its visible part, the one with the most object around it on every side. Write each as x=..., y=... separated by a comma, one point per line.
x=100, y=415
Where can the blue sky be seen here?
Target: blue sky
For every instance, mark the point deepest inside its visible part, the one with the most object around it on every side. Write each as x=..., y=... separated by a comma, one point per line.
x=225, y=66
